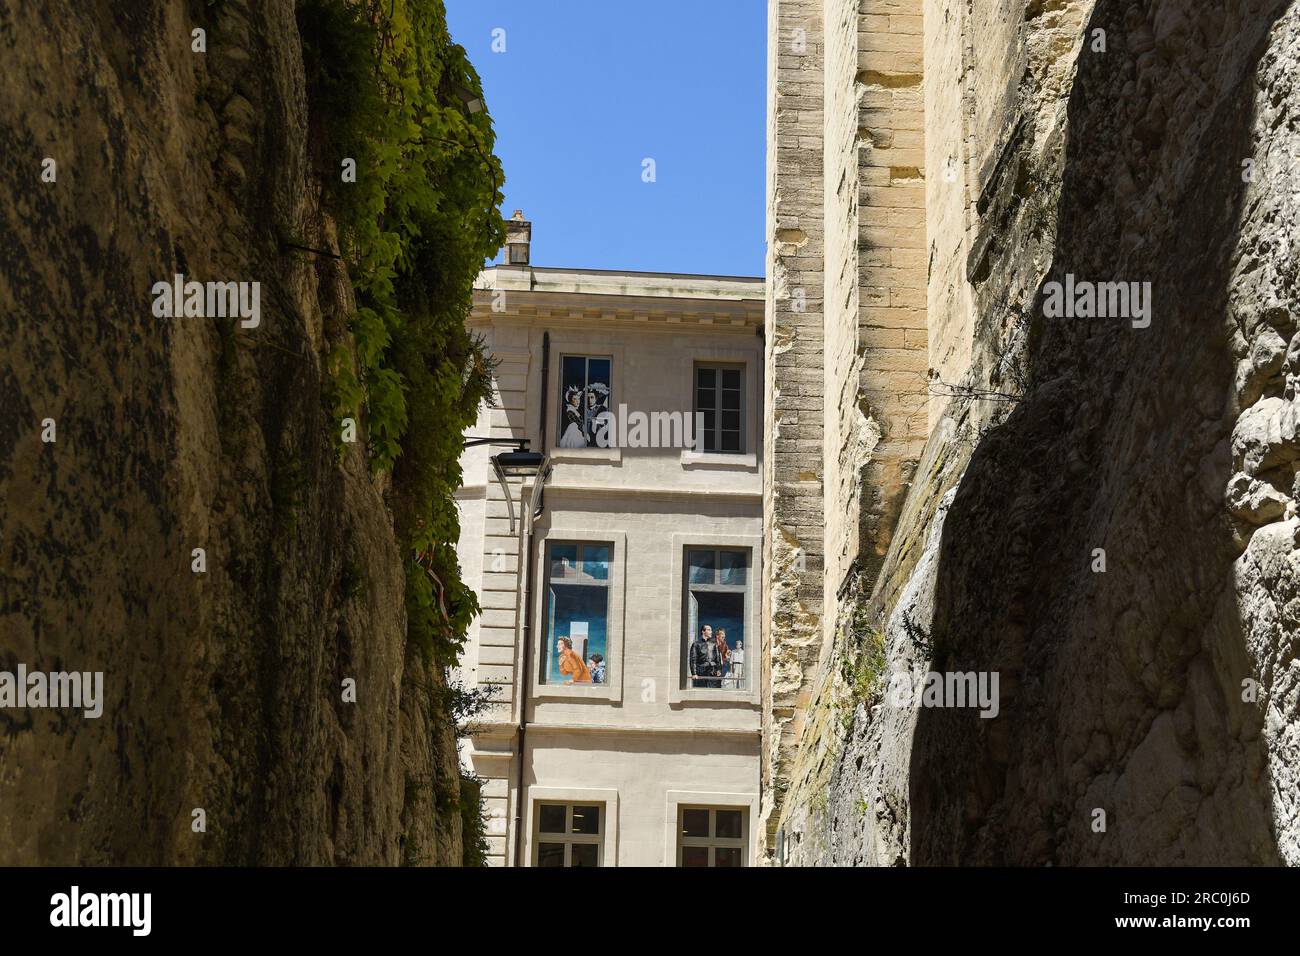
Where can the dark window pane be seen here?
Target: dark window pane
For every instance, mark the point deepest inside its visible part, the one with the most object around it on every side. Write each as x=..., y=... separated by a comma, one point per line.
x=695, y=856
x=573, y=381
x=705, y=377
x=729, y=824
x=587, y=854
x=702, y=566
x=550, y=854
x=727, y=856
x=730, y=400
x=732, y=566
x=595, y=561
x=731, y=378
x=695, y=823
x=574, y=370
x=598, y=372
x=731, y=421
x=552, y=818
x=706, y=399
x=586, y=820
x=731, y=441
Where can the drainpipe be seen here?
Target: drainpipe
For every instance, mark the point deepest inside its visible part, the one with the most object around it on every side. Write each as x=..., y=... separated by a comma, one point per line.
x=524, y=679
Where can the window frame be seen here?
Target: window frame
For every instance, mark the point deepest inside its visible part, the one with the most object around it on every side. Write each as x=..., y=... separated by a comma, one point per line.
x=585, y=345
x=689, y=627
x=568, y=838
x=750, y=360
x=680, y=690
x=580, y=795
x=612, y=689
x=586, y=356
x=676, y=800
x=713, y=842
x=543, y=660
x=719, y=367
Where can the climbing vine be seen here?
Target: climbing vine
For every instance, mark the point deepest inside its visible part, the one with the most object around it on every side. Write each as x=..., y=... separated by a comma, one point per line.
x=389, y=90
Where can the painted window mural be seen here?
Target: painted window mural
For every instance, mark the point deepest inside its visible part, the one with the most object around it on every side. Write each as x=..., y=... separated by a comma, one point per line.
x=577, y=613
x=716, y=610
x=585, y=384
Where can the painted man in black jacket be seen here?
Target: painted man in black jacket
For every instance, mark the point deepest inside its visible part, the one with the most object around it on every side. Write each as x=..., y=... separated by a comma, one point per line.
x=705, y=660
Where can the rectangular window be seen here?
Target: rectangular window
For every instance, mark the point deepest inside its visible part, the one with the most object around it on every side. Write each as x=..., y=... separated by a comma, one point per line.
x=577, y=613
x=720, y=405
x=568, y=834
x=711, y=836
x=585, y=392
x=716, y=608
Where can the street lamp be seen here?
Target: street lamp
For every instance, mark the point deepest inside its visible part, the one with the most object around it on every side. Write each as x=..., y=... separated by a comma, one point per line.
x=520, y=463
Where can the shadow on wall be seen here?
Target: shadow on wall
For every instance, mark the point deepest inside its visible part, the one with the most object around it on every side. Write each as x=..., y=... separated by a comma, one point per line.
x=1120, y=692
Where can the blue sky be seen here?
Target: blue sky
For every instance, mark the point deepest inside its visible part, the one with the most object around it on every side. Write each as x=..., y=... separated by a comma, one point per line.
x=588, y=89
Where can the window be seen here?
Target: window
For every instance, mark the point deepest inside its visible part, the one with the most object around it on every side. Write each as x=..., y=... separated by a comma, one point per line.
x=577, y=614
x=710, y=836
x=585, y=386
x=568, y=834
x=720, y=407
x=716, y=609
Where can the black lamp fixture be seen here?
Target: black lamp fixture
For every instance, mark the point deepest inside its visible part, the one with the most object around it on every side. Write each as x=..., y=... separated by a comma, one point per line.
x=520, y=463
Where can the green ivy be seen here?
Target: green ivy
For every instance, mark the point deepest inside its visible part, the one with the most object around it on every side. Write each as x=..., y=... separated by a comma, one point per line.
x=388, y=88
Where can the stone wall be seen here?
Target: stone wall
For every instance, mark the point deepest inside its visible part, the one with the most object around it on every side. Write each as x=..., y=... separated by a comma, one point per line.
x=1069, y=528
x=793, y=438
x=847, y=343
x=890, y=403
x=223, y=689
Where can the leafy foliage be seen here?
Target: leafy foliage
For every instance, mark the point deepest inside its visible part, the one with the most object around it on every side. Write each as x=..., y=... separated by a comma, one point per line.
x=389, y=89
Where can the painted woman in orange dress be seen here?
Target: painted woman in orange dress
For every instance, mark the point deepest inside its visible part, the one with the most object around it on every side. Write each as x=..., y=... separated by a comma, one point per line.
x=571, y=663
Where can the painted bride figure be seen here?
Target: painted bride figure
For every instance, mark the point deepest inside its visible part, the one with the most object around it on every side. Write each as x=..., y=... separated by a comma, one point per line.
x=574, y=434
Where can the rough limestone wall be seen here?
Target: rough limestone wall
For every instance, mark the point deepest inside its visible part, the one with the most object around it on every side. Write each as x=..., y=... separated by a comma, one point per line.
x=793, y=381
x=222, y=689
x=1162, y=691
x=1264, y=293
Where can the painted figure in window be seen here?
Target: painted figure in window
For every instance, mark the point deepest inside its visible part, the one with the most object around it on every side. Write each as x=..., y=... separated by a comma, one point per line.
x=597, y=415
x=724, y=652
x=571, y=663
x=705, y=661
x=597, y=667
x=738, y=664
x=574, y=434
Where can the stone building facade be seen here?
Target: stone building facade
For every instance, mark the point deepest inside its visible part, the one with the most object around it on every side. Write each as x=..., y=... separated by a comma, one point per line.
x=642, y=540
